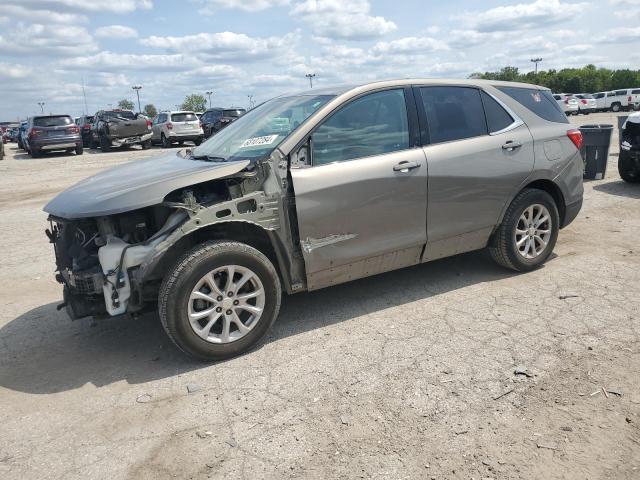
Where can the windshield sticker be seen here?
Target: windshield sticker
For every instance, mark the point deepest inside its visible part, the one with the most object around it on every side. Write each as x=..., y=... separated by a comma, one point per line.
x=259, y=141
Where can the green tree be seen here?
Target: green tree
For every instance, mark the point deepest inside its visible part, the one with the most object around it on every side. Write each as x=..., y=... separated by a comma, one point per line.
x=125, y=104
x=195, y=102
x=150, y=110
x=624, y=79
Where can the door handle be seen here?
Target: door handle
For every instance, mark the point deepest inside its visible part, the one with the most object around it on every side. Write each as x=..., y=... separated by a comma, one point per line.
x=510, y=146
x=405, y=166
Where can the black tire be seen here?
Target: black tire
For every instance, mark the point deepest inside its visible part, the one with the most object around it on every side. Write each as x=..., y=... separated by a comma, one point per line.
x=105, y=143
x=35, y=153
x=164, y=142
x=197, y=141
x=79, y=149
x=627, y=169
x=616, y=107
x=20, y=145
x=503, y=247
x=146, y=145
x=190, y=268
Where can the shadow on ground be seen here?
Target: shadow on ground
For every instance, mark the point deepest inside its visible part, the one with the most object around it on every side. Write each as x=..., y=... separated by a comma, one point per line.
x=620, y=188
x=42, y=351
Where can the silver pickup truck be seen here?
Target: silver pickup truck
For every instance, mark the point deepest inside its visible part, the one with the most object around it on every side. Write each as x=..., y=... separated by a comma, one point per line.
x=117, y=128
x=312, y=190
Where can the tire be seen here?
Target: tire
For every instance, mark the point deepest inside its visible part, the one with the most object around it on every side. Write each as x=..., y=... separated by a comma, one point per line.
x=79, y=149
x=105, y=143
x=35, y=153
x=197, y=141
x=627, y=169
x=503, y=248
x=164, y=142
x=616, y=107
x=189, y=270
x=146, y=145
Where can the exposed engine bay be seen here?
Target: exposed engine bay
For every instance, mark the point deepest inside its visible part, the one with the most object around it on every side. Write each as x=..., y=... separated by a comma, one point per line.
x=106, y=263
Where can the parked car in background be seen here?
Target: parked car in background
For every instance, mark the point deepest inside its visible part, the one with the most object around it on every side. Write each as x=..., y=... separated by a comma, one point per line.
x=1, y=147
x=215, y=119
x=618, y=100
x=117, y=128
x=311, y=190
x=587, y=104
x=85, y=122
x=46, y=133
x=176, y=127
x=568, y=103
x=22, y=132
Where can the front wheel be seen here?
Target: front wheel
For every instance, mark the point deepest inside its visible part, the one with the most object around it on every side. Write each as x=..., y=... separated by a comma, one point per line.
x=616, y=107
x=219, y=300
x=79, y=149
x=528, y=233
x=627, y=168
x=105, y=143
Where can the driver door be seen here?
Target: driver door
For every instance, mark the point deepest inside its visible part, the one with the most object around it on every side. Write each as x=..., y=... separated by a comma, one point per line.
x=362, y=204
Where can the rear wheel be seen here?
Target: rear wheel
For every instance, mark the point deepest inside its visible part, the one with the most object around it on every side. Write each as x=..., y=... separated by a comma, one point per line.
x=219, y=300
x=528, y=233
x=34, y=153
x=165, y=143
x=105, y=143
x=628, y=169
x=79, y=149
x=616, y=107
x=197, y=141
x=146, y=145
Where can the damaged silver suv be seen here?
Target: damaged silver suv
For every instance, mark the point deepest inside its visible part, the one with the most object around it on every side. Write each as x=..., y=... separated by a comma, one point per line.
x=315, y=189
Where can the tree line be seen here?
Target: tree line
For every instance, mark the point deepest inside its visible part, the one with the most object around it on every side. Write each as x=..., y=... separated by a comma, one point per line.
x=588, y=79
x=193, y=103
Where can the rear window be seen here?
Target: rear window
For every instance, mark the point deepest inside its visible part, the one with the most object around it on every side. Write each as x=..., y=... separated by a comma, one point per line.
x=621, y=92
x=237, y=112
x=540, y=102
x=635, y=92
x=57, y=121
x=126, y=114
x=183, y=117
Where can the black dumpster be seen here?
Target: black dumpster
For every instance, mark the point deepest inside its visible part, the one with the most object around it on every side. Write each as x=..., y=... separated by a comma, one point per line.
x=596, y=140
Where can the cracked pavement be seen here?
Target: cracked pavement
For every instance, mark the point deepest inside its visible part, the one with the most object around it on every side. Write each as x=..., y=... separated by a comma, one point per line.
x=409, y=374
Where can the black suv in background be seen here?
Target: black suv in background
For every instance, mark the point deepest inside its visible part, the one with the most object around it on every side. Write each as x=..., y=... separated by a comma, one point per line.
x=215, y=119
x=84, y=122
x=46, y=133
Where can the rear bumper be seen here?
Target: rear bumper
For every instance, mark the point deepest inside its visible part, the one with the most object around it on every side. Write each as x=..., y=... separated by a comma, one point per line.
x=118, y=142
x=185, y=136
x=55, y=143
x=571, y=212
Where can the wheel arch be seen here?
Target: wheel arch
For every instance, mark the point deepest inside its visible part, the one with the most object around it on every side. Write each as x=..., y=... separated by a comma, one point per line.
x=242, y=231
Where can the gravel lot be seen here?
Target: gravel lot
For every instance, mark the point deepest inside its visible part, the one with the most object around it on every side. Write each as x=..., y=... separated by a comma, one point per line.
x=409, y=374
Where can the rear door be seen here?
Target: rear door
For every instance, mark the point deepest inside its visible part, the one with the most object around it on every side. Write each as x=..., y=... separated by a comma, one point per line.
x=185, y=123
x=361, y=206
x=478, y=152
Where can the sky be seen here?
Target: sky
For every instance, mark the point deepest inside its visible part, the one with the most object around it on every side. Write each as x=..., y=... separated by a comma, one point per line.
x=52, y=50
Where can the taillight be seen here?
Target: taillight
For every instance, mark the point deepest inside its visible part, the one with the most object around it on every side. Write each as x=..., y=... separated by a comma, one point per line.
x=34, y=132
x=584, y=102
x=575, y=136
x=86, y=126
x=201, y=124
x=149, y=124
x=566, y=101
x=170, y=126
x=74, y=129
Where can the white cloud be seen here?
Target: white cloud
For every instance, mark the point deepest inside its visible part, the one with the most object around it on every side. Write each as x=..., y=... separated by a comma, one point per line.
x=8, y=70
x=339, y=19
x=224, y=45
x=113, y=6
x=109, y=61
x=410, y=45
x=116, y=32
x=212, y=6
x=19, y=12
x=39, y=40
x=621, y=35
x=538, y=14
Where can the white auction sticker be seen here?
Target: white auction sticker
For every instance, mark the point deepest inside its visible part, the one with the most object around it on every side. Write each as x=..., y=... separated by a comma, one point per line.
x=258, y=141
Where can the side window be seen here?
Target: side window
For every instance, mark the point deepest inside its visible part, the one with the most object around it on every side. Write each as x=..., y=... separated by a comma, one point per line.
x=371, y=125
x=497, y=117
x=620, y=92
x=453, y=113
x=540, y=102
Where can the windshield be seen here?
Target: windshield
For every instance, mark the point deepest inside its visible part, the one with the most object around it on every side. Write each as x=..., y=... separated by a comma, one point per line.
x=257, y=133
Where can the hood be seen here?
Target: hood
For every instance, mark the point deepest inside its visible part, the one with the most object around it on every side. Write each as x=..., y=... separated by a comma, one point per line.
x=136, y=185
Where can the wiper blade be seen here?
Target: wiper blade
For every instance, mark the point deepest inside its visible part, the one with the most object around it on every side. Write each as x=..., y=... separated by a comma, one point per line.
x=209, y=158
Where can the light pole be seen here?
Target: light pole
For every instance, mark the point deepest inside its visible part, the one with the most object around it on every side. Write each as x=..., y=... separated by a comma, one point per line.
x=137, y=88
x=536, y=61
x=310, y=76
x=209, y=95
x=41, y=107
x=250, y=97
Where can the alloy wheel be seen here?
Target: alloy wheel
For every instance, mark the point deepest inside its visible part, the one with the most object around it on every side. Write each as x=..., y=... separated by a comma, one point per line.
x=533, y=231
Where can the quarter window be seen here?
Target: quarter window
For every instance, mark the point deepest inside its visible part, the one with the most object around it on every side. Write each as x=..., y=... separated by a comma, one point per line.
x=540, y=102
x=372, y=125
x=453, y=113
x=497, y=117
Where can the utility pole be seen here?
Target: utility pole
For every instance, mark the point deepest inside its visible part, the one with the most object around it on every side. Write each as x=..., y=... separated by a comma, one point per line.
x=41, y=107
x=209, y=93
x=310, y=76
x=84, y=94
x=137, y=88
x=536, y=61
